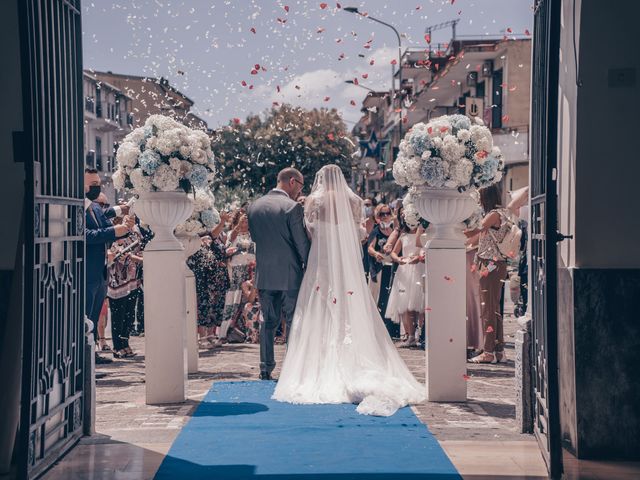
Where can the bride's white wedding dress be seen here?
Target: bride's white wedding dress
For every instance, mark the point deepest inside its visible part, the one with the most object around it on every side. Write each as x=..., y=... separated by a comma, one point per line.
x=339, y=350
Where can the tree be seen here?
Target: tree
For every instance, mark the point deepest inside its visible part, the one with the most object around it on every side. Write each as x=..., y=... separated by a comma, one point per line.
x=251, y=154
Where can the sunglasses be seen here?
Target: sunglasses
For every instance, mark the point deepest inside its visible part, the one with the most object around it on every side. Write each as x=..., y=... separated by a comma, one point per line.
x=385, y=214
x=297, y=181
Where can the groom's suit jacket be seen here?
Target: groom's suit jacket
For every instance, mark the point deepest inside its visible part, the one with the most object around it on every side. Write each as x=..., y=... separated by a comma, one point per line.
x=276, y=224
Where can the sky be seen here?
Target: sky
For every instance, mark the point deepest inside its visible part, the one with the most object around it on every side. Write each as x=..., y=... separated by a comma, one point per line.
x=237, y=57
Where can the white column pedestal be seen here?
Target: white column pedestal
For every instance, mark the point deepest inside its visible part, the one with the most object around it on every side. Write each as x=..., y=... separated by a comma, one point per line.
x=165, y=325
x=446, y=332
x=192, y=322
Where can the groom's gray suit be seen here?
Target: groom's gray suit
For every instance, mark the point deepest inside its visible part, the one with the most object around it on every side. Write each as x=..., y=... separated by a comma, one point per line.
x=276, y=223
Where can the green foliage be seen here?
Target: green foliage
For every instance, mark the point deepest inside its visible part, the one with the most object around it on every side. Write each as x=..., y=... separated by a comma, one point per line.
x=249, y=155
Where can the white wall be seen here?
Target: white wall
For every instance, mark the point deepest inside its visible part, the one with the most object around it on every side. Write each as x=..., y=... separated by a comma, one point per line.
x=12, y=173
x=599, y=162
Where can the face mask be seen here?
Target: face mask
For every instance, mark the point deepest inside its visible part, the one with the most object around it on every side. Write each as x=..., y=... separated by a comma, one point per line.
x=368, y=211
x=94, y=191
x=386, y=224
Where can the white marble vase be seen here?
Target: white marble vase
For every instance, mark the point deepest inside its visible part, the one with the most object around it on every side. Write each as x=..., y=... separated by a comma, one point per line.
x=164, y=297
x=445, y=309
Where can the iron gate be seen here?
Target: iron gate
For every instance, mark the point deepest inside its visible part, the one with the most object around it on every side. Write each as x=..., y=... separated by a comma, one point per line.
x=543, y=269
x=52, y=388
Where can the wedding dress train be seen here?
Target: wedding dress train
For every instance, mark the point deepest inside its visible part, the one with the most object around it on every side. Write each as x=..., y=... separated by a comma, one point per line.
x=339, y=350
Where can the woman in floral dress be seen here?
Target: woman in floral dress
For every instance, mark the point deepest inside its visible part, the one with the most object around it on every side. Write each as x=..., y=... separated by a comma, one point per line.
x=209, y=265
x=242, y=259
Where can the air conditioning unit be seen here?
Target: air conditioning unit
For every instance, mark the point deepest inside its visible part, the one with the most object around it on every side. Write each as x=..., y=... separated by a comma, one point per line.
x=472, y=79
x=487, y=68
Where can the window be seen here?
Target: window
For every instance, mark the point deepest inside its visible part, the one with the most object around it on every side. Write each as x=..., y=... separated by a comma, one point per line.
x=99, y=154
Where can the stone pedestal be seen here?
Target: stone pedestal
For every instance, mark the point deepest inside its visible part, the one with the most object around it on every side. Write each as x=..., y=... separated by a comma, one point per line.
x=446, y=333
x=192, y=322
x=524, y=397
x=165, y=325
x=446, y=308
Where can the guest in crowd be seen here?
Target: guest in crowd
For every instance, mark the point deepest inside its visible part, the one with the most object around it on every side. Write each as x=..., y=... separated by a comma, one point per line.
x=492, y=268
x=251, y=313
x=209, y=265
x=99, y=234
x=381, y=265
x=406, y=301
x=125, y=255
x=369, y=223
x=242, y=258
x=138, y=327
x=475, y=333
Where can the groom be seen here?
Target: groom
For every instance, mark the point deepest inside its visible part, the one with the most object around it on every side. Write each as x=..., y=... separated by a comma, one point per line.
x=276, y=224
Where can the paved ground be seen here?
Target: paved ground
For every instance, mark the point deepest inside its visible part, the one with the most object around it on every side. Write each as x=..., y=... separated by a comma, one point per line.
x=479, y=436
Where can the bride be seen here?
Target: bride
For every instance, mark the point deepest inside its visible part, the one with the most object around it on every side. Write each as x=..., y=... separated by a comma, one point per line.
x=339, y=350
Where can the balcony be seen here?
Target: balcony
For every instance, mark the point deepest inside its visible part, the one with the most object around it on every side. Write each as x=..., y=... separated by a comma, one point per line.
x=101, y=122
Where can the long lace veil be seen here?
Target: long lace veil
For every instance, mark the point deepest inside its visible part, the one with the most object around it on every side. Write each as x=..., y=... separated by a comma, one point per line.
x=339, y=349
x=332, y=206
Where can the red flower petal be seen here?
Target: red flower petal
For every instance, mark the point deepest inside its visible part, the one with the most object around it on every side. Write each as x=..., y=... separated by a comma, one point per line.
x=323, y=6
x=252, y=30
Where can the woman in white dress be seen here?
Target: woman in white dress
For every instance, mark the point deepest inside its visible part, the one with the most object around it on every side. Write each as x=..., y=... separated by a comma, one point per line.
x=339, y=350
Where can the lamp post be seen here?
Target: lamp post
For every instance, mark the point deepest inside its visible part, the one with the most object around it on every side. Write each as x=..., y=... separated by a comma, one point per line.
x=357, y=12
x=351, y=82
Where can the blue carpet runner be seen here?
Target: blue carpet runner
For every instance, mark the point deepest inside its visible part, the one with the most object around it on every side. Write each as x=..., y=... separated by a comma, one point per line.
x=239, y=432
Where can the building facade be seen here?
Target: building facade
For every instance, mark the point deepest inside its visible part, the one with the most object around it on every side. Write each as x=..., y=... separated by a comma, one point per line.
x=114, y=104
x=108, y=118
x=484, y=78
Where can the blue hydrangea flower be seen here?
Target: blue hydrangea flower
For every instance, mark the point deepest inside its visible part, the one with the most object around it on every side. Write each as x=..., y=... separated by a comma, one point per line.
x=210, y=218
x=433, y=172
x=198, y=176
x=149, y=161
x=148, y=131
x=489, y=170
x=459, y=122
x=420, y=142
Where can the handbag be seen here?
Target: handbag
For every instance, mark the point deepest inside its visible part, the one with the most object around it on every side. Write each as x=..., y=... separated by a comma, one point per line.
x=509, y=246
x=235, y=335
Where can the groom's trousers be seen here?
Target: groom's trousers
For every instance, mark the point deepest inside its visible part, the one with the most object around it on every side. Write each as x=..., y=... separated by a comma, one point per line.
x=274, y=303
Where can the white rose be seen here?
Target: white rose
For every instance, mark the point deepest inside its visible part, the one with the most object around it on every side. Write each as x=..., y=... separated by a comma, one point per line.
x=198, y=155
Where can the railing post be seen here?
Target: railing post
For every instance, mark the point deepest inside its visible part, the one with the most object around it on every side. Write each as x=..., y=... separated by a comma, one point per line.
x=89, y=424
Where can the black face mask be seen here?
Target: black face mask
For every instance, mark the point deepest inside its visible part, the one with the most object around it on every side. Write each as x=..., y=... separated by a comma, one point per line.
x=94, y=191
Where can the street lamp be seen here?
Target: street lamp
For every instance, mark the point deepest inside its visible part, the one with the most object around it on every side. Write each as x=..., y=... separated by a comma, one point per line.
x=357, y=12
x=351, y=82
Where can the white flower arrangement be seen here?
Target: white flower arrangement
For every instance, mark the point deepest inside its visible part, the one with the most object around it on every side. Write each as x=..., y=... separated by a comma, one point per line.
x=204, y=216
x=448, y=152
x=411, y=216
x=164, y=156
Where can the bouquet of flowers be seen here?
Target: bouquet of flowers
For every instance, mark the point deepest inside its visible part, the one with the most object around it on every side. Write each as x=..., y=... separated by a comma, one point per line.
x=164, y=155
x=448, y=152
x=204, y=216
